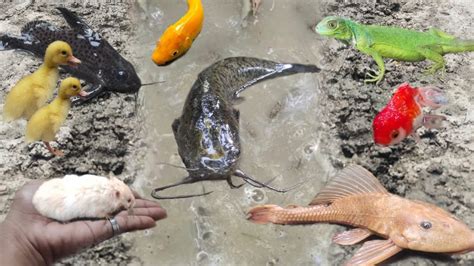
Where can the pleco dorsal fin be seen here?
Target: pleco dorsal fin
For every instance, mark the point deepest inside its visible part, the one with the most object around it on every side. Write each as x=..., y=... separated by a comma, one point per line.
x=352, y=180
x=73, y=20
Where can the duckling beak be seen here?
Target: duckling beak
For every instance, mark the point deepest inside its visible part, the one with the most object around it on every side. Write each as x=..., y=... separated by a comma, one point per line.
x=73, y=61
x=83, y=93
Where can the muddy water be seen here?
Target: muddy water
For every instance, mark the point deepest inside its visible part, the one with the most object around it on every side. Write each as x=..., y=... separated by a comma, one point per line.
x=279, y=132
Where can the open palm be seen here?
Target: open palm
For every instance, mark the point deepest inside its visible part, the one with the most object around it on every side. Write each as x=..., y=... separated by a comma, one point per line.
x=54, y=240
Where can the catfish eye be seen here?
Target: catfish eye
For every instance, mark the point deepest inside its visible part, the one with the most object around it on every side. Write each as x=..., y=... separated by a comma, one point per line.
x=425, y=225
x=122, y=75
x=63, y=52
x=395, y=134
x=332, y=24
x=175, y=53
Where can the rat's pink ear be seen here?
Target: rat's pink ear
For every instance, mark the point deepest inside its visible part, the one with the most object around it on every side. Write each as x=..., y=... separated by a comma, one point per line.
x=117, y=194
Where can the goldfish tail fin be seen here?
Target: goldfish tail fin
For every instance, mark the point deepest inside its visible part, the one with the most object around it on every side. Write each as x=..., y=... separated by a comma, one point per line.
x=432, y=96
x=264, y=214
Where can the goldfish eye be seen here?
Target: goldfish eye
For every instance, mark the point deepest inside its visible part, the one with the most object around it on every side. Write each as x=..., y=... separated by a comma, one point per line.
x=175, y=53
x=425, y=225
x=395, y=134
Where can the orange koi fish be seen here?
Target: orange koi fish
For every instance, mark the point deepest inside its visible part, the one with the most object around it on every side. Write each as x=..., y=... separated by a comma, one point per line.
x=403, y=115
x=355, y=197
x=178, y=38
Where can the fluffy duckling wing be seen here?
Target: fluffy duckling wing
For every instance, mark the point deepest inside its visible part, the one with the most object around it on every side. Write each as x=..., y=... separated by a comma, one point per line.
x=42, y=126
x=19, y=100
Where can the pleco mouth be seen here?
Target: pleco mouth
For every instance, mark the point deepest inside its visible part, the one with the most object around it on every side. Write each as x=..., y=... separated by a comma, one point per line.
x=73, y=61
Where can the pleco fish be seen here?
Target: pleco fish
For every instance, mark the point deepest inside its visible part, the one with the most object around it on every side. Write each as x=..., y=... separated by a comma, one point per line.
x=403, y=115
x=102, y=66
x=207, y=132
x=356, y=198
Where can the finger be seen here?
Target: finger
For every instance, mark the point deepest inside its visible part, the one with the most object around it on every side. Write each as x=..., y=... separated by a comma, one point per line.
x=140, y=203
x=133, y=223
x=156, y=213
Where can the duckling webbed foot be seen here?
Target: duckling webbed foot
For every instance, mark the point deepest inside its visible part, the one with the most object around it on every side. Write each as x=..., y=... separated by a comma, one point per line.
x=54, y=151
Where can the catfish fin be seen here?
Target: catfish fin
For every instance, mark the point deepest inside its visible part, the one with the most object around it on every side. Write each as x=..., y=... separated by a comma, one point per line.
x=374, y=252
x=175, y=126
x=351, y=237
x=352, y=180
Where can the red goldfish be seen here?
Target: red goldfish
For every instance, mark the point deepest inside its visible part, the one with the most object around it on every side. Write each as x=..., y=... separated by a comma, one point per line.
x=355, y=197
x=403, y=115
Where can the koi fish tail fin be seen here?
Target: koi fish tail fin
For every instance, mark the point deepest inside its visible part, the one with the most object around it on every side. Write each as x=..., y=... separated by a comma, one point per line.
x=265, y=214
x=432, y=97
x=239, y=73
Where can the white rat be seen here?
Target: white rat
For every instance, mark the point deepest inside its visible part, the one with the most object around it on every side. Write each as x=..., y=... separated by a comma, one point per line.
x=87, y=196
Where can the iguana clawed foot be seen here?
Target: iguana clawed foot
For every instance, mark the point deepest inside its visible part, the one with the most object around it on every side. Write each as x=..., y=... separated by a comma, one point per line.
x=374, y=78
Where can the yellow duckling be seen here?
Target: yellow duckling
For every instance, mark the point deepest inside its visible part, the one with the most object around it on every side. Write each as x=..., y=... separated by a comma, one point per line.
x=32, y=91
x=45, y=123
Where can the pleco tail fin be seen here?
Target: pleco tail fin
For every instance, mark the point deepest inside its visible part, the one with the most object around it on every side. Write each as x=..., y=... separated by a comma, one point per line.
x=459, y=46
x=264, y=214
x=9, y=43
x=238, y=73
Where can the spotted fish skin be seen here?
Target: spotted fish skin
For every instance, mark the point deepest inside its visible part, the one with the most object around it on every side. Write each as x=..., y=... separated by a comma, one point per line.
x=207, y=132
x=102, y=66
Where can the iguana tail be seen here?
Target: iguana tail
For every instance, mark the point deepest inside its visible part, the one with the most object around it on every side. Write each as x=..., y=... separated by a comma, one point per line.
x=459, y=46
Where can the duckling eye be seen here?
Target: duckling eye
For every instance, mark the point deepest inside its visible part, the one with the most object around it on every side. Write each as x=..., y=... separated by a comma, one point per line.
x=63, y=52
x=425, y=225
x=175, y=53
x=74, y=87
x=332, y=24
x=395, y=134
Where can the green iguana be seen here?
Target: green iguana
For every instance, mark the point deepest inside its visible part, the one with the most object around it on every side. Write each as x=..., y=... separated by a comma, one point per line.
x=396, y=43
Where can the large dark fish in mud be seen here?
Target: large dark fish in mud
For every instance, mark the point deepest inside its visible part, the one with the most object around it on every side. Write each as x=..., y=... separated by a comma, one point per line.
x=207, y=132
x=102, y=66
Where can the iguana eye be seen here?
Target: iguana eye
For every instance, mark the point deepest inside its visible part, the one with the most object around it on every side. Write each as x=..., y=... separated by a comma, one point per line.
x=425, y=225
x=332, y=24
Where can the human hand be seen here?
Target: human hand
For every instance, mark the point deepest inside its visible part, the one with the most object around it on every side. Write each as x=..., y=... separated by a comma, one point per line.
x=28, y=238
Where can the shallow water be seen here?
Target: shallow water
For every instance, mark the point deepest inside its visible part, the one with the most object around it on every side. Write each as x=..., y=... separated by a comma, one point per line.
x=279, y=133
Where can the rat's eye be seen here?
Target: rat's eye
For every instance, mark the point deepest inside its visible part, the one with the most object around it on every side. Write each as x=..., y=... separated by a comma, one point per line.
x=425, y=225
x=122, y=75
x=395, y=134
x=63, y=52
x=175, y=53
x=332, y=24
x=129, y=200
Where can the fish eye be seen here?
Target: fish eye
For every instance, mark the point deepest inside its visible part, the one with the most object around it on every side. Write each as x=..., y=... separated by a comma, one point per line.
x=395, y=134
x=122, y=75
x=425, y=225
x=175, y=53
x=332, y=24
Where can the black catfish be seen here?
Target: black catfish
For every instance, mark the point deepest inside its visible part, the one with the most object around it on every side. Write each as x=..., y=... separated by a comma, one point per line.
x=207, y=132
x=102, y=66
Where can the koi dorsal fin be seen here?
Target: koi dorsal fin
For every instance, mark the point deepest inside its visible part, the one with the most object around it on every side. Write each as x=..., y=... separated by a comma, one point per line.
x=352, y=180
